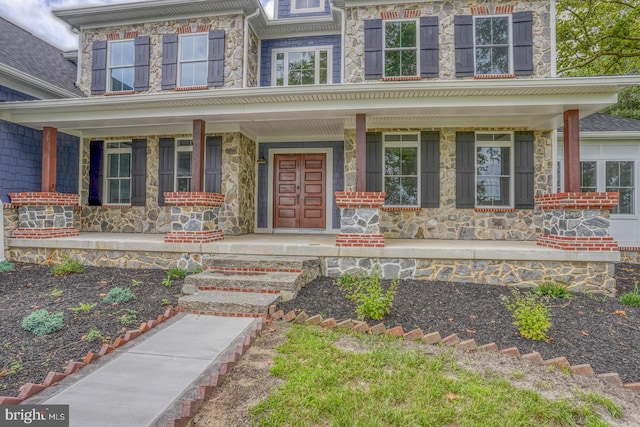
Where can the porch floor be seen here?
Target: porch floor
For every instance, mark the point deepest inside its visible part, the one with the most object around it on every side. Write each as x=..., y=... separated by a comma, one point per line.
x=320, y=245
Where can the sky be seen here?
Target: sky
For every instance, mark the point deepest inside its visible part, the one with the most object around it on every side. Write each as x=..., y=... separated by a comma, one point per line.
x=35, y=16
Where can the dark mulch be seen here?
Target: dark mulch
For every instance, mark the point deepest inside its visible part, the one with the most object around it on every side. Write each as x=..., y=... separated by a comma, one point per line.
x=29, y=287
x=586, y=328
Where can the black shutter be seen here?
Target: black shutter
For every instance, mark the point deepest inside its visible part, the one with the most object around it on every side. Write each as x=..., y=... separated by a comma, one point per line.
x=523, y=43
x=213, y=164
x=429, y=47
x=465, y=61
x=524, y=170
x=465, y=170
x=215, y=75
x=430, y=169
x=373, y=39
x=95, y=173
x=374, y=162
x=169, y=61
x=138, y=172
x=141, y=64
x=98, y=67
x=165, y=168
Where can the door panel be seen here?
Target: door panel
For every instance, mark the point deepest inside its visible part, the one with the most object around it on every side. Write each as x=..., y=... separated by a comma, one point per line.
x=300, y=193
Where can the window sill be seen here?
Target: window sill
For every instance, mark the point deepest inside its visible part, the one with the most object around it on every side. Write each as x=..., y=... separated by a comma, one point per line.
x=116, y=206
x=494, y=209
x=185, y=88
x=401, y=78
x=121, y=92
x=494, y=76
x=401, y=208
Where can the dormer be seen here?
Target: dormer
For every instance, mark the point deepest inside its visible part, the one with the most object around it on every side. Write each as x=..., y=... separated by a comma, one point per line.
x=291, y=9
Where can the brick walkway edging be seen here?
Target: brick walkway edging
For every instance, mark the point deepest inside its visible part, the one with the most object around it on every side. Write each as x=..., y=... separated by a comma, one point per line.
x=434, y=338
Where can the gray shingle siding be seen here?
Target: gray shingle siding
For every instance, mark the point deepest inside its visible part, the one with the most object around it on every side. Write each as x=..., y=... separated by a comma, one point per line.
x=9, y=95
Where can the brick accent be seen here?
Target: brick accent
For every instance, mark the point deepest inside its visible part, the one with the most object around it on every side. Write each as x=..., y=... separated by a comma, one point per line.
x=127, y=35
x=480, y=10
x=401, y=78
x=355, y=199
x=504, y=9
x=494, y=209
x=451, y=340
x=558, y=362
x=200, y=29
x=432, y=338
x=360, y=240
x=401, y=208
x=493, y=76
x=577, y=201
x=570, y=243
x=413, y=13
x=239, y=270
x=389, y=14
x=187, y=88
x=44, y=233
x=193, y=236
x=44, y=199
x=193, y=198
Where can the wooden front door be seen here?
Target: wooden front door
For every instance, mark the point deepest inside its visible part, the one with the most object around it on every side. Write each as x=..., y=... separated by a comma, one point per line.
x=299, y=193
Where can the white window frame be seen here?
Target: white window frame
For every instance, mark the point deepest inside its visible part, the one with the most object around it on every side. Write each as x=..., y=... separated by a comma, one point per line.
x=105, y=168
x=510, y=144
x=295, y=9
x=110, y=67
x=182, y=149
x=286, y=52
x=180, y=61
x=509, y=29
x=385, y=49
x=410, y=144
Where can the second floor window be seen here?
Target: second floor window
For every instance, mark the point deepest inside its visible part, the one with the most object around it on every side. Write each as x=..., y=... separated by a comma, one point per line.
x=118, y=177
x=302, y=67
x=184, y=150
x=302, y=6
x=193, y=60
x=400, y=49
x=492, y=46
x=121, y=65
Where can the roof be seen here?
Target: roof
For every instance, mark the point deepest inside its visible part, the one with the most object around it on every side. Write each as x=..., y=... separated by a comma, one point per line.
x=601, y=122
x=22, y=53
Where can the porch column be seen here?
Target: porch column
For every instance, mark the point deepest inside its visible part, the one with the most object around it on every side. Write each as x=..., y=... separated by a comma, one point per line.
x=49, y=157
x=197, y=157
x=361, y=152
x=572, y=151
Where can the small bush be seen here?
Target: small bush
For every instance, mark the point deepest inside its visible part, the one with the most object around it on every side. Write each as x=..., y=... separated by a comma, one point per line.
x=553, y=288
x=68, y=266
x=533, y=318
x=631, y=298
x=6, y=266
x=119, y=295
x=41, y=322
x=94, y=335
x=176, y=273
x=84, y=307
x=372, y=301
x=128, y=316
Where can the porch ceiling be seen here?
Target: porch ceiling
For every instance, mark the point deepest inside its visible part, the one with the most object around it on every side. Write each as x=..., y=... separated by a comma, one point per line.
x=313, y=112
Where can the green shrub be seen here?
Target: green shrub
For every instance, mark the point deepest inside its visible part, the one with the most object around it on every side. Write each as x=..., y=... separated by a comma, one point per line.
x=128, y=316
x=553, y=288
x=84, y=307
x=119, y=295
x=372, y=301
x=68, y=266
x=533, y=318
x=41, y=322
x=6, y=266
x=631, y=298
x=176, y=273
x=94, y=335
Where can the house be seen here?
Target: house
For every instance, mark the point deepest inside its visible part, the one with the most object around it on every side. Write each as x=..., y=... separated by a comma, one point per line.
x=368, y=120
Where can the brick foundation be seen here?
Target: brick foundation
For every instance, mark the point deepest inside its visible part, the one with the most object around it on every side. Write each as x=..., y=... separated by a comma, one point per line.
x=578, y=243
x=44, y=215
x=44, y=233
x=193, y=236
x=194, y=217
x=360, y=219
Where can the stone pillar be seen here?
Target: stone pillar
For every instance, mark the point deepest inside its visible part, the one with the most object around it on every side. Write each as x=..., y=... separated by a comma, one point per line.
x=44, y=215
x=194, y=217
x=576, y=221
x=360, y=219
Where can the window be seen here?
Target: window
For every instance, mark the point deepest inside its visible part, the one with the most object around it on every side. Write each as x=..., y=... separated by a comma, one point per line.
x=121, y=67
x=184, y=149
x=118, y=179
x=400, y=48
x=494, y=169
x=619, y=178
x=192, y=70
x=302, y=67
x=492, y=46
x=588, y=176
x=307, y=6
x=401, y=169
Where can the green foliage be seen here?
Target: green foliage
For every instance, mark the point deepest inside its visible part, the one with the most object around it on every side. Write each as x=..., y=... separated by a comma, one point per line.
x=128, y=316
x=84, y=307
x=197, y=270
x=176, y=273
x=56, y=293
x=165, y=302
x=167, y=282
x=119, y=295
x=533, y=318
x=68, y=266
x=41, y=322
x=15, y=367
x=628, y=104
x=372, y=301
x=6, y=266
x=94, y=335
x=553, y=288
x=135, y=283
x=631, y=298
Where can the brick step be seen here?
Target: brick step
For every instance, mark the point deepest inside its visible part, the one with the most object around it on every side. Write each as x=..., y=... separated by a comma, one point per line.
x=288, y=284
x=225, y=302
x=261, y=263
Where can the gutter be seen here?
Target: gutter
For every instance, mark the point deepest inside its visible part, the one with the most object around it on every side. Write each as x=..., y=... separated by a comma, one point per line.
x=245, y=65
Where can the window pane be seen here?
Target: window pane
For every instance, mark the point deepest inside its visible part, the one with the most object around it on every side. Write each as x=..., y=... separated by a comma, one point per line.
x=121, y=53
x=410, y=161
x=408, y=34
x=409, y=191
x=493, y=176
x=483, y=60
x=113, y=165
x=125, y=191
x=193, y=47
x=125, y=165
x=626, y=174
x=324, y=67
x=392, y=35
x=121, y=79
x=392, y=161
x=193, y=74
x=280, y=69
x=500, y=30
x=183, y=184
x=408, y=63
x=500, y=60
x=588, y=176
x=302, y=68
x=619, y=177
x=392, y=63
x=183, y=164
x=114, y=191
x=483, y=31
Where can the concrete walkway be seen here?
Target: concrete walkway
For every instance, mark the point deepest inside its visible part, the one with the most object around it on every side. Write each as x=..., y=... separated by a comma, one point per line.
x=144, y=382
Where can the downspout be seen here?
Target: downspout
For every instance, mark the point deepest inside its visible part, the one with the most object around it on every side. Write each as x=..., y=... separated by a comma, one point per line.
x=554, y=71
x=342, y=33
x=1, y=230
x=245, y=67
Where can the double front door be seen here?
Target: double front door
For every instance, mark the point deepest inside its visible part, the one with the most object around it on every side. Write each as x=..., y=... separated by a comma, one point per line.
x=299, y=191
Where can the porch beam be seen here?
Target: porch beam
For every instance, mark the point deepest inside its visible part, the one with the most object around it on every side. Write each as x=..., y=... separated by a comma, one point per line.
x=49, y=158
x=361, y=152
x=572, y=151
x=197, y=156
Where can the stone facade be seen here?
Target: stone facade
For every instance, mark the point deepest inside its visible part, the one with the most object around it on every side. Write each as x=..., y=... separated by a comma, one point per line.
x=360, y=220
x=252, y=59
x=233, y=25
x=574, y=223
x=445, y=11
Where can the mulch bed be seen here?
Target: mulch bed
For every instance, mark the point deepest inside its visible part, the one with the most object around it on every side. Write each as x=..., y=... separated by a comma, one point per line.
x=586, y=328
x=30, y=287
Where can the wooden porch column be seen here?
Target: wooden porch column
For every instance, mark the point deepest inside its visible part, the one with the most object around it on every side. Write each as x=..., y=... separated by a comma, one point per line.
x=572, y=151
x=361, y=152
x=49, y=158
x=197, y=156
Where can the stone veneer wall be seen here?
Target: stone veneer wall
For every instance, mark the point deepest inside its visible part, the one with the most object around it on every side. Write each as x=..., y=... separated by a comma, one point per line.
x=628, y=255
x=445, y=11
x=448, y=222
x=252, y=59
x=233, y=38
